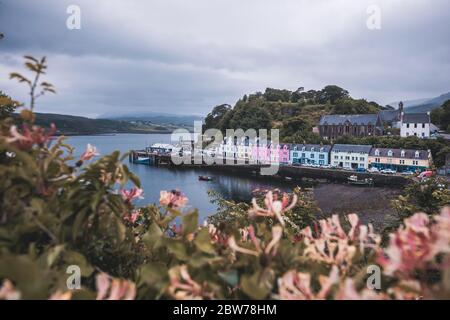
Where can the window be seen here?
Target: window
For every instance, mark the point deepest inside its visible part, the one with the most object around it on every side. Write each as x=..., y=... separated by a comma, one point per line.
x=295, y=154
x=423, y=125
x=415, y=125
x=423, y=134
x=377, y=160
x=402, y=161
x=312, y=155
x=347, y=158
x=402, y=154
x=415, y=163
x=377, y=152
x=336, y=157
x=390, y=153
x=417, y=154
x=361, y=158
x=303, y=155
x=407, y=125
x=321, y=156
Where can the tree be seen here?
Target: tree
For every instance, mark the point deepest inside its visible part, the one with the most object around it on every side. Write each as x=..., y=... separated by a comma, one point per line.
x=332, y=93
x=213, y=118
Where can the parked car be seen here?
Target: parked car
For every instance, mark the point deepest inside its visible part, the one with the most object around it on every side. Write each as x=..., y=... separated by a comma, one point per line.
x=407, y=173
x=361, y=170
x=388, y=171
x=373, y=170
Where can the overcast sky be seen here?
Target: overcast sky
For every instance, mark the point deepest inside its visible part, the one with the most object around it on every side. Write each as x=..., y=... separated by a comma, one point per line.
x=186, y=56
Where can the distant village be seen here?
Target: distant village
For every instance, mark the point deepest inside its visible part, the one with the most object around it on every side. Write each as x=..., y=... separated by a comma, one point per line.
x=359, y=158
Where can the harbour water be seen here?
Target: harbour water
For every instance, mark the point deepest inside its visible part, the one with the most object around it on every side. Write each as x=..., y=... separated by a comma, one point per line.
x=371, y=203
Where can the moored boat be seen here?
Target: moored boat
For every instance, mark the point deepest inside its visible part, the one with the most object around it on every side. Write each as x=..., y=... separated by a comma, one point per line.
x=353, y=180
x=204, y=178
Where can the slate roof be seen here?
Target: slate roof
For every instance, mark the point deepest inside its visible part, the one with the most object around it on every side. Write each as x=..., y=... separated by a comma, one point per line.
x=396, y=153
x=326, y=147
x=389, y=115
x=339, y=119
x=354, y=148
x=416, y=118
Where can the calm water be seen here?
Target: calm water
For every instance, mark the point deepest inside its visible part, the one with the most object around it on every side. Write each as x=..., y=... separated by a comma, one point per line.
x=154, y=179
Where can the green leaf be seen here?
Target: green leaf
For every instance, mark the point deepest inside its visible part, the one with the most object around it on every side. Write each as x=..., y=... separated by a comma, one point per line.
x=203, y=241
x=254, y=287
x=190, y=222
x=177, y=248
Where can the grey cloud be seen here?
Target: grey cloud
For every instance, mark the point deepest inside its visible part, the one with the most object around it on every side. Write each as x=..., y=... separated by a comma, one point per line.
x=187, y=56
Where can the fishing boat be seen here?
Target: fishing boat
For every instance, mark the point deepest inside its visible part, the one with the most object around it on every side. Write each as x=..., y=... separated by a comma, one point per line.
x=204, y=178
x=353, y=180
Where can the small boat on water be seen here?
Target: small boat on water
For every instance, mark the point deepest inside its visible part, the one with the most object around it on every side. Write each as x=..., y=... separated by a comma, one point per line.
x=204, y=178
x=143, y=160
x=353, y=180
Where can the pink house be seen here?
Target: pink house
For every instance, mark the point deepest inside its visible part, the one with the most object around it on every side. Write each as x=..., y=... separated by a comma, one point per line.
x=261, y=153
x=283, y=153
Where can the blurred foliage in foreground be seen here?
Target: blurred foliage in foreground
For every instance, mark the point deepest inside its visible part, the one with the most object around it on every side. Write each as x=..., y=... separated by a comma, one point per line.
x=57, y=212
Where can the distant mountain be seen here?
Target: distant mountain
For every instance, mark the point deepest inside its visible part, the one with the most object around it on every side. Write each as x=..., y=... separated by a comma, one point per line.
x=423, y=105
x=155, y=118
x=75, y=125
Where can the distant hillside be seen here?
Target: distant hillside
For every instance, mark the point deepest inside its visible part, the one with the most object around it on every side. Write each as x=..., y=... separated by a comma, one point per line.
x=424, y=105
x=75, y=125
x=155, y=118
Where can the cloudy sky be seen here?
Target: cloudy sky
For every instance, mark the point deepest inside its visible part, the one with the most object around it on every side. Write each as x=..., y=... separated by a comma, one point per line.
x=186, y=56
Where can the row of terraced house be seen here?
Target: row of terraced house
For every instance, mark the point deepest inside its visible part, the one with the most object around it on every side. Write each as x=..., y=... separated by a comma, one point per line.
x=345, y=156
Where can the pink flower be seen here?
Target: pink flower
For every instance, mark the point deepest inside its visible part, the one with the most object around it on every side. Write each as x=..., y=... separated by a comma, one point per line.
x=130, y=195
x=270, y=249
x=118, y=289
x=28, y=138
x=274, y=207
x=173, y=199
x=133, y=216
x=295, y=285
x=183, y=287
x=8, y=291
x=90, y=152
x=410, y=247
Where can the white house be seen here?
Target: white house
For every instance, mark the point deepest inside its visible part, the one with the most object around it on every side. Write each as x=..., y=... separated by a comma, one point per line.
x=415, y=124
x=350, y=156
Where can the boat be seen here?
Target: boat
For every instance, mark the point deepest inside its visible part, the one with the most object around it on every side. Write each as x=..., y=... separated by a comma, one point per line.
x=353, y=180
x=204, y=178
x=143, y=160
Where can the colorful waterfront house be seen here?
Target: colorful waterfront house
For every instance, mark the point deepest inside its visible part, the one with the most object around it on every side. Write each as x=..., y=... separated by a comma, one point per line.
x=274, y=152
x=400, y=160
x=310, y=154
x=350, y=156
x=283, y=153
x=229, y=149
x=261, y=151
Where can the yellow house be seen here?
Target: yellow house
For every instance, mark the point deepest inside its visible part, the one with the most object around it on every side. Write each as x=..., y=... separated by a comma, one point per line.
x=400, y=159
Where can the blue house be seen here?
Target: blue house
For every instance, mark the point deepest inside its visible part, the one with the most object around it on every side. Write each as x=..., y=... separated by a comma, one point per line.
x=310, y=154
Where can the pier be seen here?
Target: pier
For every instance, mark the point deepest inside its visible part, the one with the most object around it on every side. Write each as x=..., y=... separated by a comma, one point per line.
x=285, y=171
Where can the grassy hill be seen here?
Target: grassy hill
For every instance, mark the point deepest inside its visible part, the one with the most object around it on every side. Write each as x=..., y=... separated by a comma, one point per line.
x=75, y=125
x=294, y=113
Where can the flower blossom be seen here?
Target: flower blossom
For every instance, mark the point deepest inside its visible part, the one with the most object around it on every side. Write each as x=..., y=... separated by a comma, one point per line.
x=118, y=289
x=90, y=152
x=295, y=285
x=130, y=195
x=270, y=249
x=333, y=245
x=8, y=291
x=173, y=199
x=133, y=216
x=182, y=287
x=28, y=138
x=416, y=244
x=274, y=207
